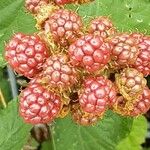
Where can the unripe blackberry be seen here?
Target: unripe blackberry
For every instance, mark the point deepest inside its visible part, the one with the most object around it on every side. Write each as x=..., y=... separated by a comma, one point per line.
x=38, y=105
x=33, y=6
x=133, y=108
x=102, y=26
x=142, y=62
x=143, y=103
x=83, y=118
x=90, y=52
x=63, y=25
x=58, y=73
x=97, y=95
x=124, y=50
x=130, y=83
x=26, y=54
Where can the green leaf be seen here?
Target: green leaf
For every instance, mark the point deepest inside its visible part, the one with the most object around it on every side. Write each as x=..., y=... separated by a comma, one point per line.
x=13, y=19
x=14, y=132
x=128, y=15
x=104, y=136
x=136, y=136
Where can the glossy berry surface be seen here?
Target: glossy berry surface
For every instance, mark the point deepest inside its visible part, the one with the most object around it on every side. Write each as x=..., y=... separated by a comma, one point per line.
x=143, y=103
x=33, y=6
x=124, y=50
x=102, y=26
x=142, y=62
x=96, y=95
x=90, y=52
x=58, y=72
x=26, y=54
x=130, y=83
x=38, y=105
x=64, y=26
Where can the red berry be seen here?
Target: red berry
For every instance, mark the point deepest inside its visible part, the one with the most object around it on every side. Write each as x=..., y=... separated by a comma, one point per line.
x=83, y=118
x=26, y=54
x=90, y=52
x=130, y=83
x=34, y=5
x=143, y=103
x=124, y=50
x=58, y=73
x=133, y=108
x=38, y=105
x=96, y=95
x=142, y=62
x=102, y=26
x=64, y=26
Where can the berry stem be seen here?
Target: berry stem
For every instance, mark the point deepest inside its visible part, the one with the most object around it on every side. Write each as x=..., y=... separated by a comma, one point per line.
x=52, y=137
x=2, y=99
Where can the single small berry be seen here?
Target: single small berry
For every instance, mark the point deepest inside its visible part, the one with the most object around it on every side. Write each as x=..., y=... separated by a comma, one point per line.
x=83, y=118
x=124, y=50
x=102, y=26
x=90, y=52
x=143, y=103
x=33, y=6
x=26, y=54
x=130, y=83
x=58, y=73
x=64, y=26
x=142, y=62
x=97, y=95
x=38, y=105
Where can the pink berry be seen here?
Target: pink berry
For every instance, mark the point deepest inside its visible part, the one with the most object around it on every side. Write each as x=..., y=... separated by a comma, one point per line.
x=143, y=103
x=33, y=6
x=130, y=83
x=58, y=73
x=64, y=26
x=90, y=52
x=142, y=62
x=102, y=26
x=38, y=105
x=124, y=50
x=96, y=95
x=26, y=54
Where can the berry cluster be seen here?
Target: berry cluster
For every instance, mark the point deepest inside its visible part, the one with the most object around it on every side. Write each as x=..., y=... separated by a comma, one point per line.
x=80, y=71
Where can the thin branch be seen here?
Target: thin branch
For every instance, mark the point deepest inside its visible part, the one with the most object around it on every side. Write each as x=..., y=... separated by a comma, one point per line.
x=2, y=99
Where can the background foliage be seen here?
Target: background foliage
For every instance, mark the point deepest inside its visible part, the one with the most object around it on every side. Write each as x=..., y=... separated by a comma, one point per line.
x=114, y=131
